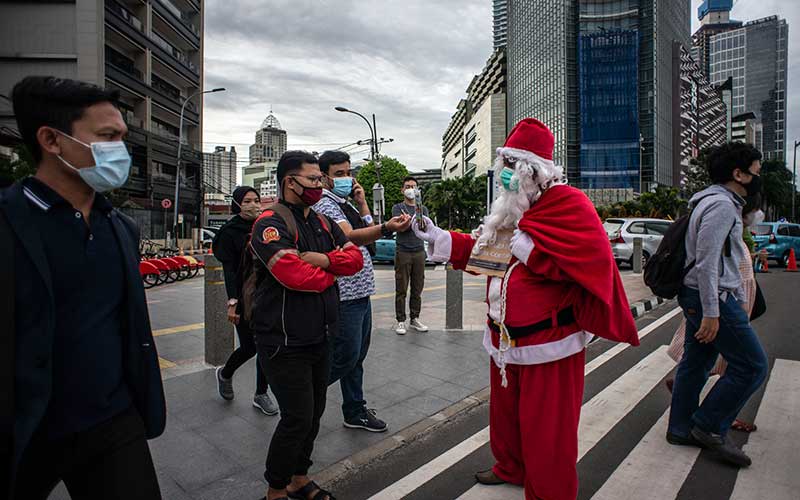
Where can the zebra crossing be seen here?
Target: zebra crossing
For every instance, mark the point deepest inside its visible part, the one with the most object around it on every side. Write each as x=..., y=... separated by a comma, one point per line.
x=652, y=469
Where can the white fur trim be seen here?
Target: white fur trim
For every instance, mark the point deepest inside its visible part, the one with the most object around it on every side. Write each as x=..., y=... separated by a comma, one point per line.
x=441, y=249
x=523, y=154
x=494, y=296
x=541, y=353
x=522, y=246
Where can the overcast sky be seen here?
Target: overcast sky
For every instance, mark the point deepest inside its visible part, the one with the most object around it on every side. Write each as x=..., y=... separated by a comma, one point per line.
x=408, y=61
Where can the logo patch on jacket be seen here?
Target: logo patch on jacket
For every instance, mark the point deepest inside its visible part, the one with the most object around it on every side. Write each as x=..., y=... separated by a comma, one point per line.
x=269, y=235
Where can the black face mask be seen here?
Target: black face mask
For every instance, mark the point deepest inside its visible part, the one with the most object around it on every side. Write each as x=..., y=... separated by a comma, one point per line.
x=754, y=186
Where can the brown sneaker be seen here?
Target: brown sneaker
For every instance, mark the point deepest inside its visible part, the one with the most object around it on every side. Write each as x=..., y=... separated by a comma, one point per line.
x=488, y=477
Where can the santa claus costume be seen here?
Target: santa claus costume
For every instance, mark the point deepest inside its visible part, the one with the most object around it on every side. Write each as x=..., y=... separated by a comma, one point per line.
x=561, y=288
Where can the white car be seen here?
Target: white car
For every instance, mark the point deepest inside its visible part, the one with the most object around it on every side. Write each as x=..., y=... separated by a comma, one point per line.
x=621, y=233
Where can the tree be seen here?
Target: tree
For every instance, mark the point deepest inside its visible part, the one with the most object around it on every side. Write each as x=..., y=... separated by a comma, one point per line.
x=19, y=168
x=457, y=203
x=392, y=174
x=664, y=202
x=777, y=182
x=696, y=178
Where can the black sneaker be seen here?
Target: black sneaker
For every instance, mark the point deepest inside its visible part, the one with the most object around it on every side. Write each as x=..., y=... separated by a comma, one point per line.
x=722, y=447
x=683, y=441
x=367, y=421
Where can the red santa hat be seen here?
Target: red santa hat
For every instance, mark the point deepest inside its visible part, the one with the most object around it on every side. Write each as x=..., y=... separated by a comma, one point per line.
x=531, y=143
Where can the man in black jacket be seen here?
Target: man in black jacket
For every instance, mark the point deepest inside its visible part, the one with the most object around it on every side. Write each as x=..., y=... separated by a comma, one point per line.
x=86, y=379
x=298, y=256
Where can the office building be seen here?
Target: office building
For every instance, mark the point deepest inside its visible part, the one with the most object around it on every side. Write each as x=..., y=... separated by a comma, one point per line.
x=755, y=57
x=219, y=171
x=715, y=18
x=500, y=23
x=602, y=76
x=270, y=144
x=478, y=126
x=149, y=50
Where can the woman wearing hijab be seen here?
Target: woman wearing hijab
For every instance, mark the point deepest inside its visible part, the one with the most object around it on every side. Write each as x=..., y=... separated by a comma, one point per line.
x=229, y=243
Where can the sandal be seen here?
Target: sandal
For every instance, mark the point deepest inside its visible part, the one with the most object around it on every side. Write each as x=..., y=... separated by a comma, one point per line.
x=302, y=493
x=739, y=425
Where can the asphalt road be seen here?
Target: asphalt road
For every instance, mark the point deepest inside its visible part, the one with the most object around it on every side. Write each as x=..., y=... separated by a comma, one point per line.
x=623, y=451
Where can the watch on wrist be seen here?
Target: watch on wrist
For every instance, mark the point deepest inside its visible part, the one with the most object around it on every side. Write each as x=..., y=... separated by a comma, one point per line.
x=232, y=302
x=385, y=231
x=367, y=219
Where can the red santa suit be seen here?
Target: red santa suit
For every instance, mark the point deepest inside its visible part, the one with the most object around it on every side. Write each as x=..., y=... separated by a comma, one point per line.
x=569, y=280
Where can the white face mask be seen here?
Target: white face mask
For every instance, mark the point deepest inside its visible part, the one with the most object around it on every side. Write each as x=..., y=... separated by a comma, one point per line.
x=111, y=168
x=410, y=193
x=753, y=218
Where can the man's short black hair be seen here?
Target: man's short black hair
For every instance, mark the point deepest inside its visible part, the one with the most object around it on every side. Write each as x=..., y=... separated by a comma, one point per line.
x=329, y=158
x=410, y=178
x=724, y=159
x=47, y=101
x=291, y=162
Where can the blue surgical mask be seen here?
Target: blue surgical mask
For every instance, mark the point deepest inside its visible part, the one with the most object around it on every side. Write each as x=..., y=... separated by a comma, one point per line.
x=112, y=164
x=506, y=178
x=342, y=186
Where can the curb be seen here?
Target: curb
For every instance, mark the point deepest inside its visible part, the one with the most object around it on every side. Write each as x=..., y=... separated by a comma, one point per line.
x=638, y=309
x=340, y=471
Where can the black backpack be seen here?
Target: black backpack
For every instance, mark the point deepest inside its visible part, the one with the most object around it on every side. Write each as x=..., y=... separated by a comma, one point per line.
x=665, y=270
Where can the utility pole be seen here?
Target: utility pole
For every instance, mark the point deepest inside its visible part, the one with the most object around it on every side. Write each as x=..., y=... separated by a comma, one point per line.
x=794, y=181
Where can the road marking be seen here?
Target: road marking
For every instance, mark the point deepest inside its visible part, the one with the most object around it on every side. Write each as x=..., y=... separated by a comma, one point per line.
x=653, y=465
x=433, y=468
x=598, y=417
x=165, y=363
x=773, y=448
x=607, y=408
x=178, y=329
x=610, y=353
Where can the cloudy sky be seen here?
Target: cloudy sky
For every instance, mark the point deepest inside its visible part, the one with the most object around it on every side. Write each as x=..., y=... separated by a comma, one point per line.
x=408, y=61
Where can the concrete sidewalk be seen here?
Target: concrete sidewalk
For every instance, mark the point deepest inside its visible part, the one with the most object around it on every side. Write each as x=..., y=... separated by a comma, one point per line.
x=214, y=449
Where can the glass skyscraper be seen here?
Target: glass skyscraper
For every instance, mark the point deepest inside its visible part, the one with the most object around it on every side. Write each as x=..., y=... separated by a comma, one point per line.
x=601, y=74
x=755, y=57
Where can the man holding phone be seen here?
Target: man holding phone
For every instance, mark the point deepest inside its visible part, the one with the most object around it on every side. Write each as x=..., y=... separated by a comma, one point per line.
x=349, y=348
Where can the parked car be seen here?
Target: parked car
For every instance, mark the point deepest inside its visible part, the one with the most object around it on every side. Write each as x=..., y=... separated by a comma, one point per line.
x=207, y=236
x=385, y=249
x=777, y=238
x=621, y=233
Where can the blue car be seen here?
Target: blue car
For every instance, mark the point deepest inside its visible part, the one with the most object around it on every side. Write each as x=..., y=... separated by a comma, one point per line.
x=778, y=238
x=384, y=250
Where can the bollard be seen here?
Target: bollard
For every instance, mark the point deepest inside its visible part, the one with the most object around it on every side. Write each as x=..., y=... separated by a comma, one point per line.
x=637, y=255
x=454, y=299
x=218, y=331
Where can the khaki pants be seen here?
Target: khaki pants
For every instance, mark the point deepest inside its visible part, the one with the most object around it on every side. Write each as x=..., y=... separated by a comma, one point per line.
x=408, y=267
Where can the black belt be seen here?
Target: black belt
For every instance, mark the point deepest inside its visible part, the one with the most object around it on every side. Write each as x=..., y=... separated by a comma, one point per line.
x=564, y=317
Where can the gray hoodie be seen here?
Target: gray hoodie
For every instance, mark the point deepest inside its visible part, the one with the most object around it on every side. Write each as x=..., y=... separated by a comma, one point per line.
x=716, y=216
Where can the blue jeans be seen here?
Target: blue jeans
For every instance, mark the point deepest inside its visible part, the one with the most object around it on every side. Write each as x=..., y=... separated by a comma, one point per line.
x=348, y=351
x=747, y=368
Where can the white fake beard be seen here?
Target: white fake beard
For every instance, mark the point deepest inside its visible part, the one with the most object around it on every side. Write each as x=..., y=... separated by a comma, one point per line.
x=506, y=213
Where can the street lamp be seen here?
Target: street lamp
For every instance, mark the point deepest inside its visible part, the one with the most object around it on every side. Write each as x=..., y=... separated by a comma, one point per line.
x=794, y=180
x=377, y=189
x=178, y=167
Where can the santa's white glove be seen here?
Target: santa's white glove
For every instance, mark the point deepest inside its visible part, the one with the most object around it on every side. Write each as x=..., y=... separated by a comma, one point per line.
x=440, y=244
x=477, y=232
x=521, y=245
x=431, y=232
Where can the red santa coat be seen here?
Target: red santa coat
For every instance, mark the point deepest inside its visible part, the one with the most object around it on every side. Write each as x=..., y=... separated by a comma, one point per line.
x=571, y=264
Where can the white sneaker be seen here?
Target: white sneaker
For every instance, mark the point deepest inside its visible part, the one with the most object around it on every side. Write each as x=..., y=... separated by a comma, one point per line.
x=400, y=328
x=416, y=325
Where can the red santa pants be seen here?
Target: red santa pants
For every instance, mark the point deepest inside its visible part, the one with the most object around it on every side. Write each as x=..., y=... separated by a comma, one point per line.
x=534, y=426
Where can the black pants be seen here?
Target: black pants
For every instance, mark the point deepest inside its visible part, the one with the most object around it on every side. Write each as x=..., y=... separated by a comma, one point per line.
x=110, y=460
x=299, y=378
x=246, y=350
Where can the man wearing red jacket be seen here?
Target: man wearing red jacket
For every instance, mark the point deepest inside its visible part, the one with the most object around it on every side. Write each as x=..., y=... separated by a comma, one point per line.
x=295, y=309
x=561, y=288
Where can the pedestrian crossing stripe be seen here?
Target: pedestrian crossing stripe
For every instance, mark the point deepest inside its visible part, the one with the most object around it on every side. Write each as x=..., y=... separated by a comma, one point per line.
x=775, y=473
x=654, y=469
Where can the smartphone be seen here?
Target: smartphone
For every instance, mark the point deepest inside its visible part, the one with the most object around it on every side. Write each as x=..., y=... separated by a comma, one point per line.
x=418, y=211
